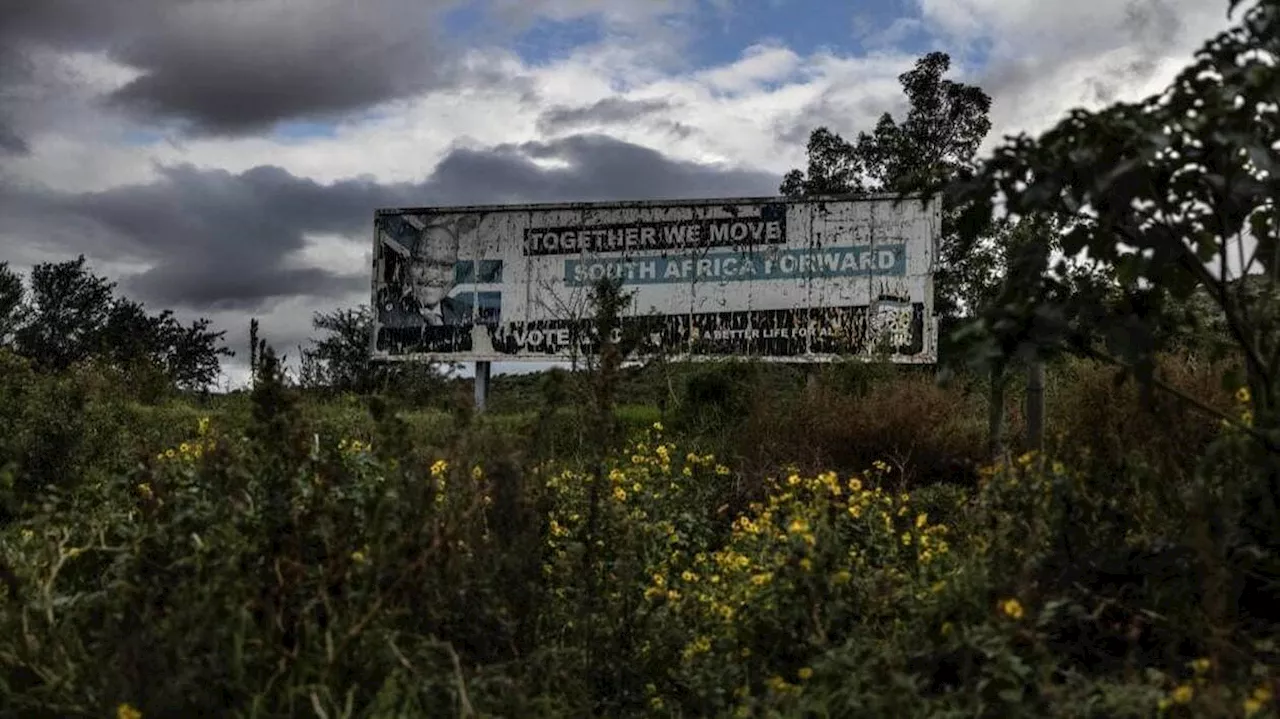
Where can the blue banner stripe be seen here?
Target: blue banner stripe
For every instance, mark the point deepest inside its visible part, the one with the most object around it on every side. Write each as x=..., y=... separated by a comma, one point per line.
x=742, y=266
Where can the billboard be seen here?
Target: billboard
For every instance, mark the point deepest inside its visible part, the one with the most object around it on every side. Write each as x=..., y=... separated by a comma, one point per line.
x=781, y=279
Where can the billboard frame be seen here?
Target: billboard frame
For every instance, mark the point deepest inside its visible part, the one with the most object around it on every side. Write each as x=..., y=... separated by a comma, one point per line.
x=928, y=356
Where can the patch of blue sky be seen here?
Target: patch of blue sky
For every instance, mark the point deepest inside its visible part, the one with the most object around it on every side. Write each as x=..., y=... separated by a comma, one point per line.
x=305, y=130
x=142, y=138
x=550, y=40
x=807, y=27
x=464, y=20
x=541, y=41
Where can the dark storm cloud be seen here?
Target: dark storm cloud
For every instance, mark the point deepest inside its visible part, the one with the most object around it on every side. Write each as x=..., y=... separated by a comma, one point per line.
x=609, y=111
x=15, y=76
x=229, y=70
x=238, y=66
x=217, y=240
x=214, y=239
x=596, y=167
x=10, y=142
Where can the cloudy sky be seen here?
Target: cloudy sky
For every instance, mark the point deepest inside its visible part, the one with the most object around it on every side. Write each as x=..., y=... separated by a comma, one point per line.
x=223, y=157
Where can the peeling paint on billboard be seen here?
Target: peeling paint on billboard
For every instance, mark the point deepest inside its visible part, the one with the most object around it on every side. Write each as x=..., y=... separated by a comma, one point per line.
x=772, y=278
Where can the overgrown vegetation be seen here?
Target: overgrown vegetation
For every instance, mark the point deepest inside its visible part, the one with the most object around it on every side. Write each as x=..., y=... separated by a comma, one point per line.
x=718, y=540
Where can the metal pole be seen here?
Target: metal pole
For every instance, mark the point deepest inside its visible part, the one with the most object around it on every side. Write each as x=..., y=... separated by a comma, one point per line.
x=482, y=385
x=1035, y=405
x=995, y=413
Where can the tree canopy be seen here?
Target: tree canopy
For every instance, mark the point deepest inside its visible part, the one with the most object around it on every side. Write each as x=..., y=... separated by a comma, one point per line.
x=71, y=315
x=946, y=121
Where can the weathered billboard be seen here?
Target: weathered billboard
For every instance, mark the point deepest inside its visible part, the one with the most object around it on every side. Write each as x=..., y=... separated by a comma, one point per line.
x=771, y=278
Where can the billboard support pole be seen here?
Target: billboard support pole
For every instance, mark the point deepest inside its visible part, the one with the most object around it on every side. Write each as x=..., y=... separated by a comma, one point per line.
x=482, y=385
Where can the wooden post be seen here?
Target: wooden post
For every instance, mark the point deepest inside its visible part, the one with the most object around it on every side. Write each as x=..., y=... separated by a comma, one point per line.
x=995, y=415
x=482, y=385
x=1035, y=405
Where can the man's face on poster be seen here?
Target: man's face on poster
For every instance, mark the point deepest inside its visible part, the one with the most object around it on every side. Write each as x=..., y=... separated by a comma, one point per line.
x=431, y=273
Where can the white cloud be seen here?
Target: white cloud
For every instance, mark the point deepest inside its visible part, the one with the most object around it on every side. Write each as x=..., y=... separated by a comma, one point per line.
x=759, y=65
x=1043, y=58
x=338, y=253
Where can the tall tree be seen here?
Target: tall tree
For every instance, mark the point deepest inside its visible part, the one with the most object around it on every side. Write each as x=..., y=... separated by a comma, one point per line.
x=945, y=123
x=340, y=357
x=1176, y=197
x=190, y=353
x=12, y=304
x=339, y=360
x=74, y=315
x=70, y=307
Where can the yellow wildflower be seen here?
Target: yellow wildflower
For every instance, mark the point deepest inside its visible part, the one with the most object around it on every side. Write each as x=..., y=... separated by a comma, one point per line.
x=1252, y=706
x=358, y=557
x=1012, y=608
x=842, y=577
x=620, y=494
x=798, y=525
x=921, y=519
x=27, y=534
x=169, y=453
x=477, y=473
x=1183, y=694
x=1201, y=665
x=657, y=426
x=762, y=579
x=202, y=426
x=439, y=468
x=1242, y=395
x=127, y=711
x=805, y=673
x=145, y=490
x=688, y=576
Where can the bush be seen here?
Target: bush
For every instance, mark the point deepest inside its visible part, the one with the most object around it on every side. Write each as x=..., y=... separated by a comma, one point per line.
x=270, y=555
x=927, y=433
